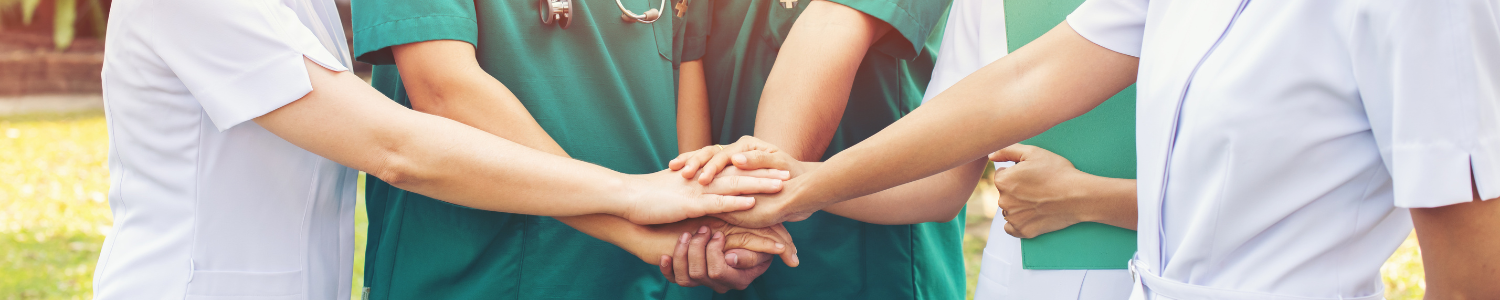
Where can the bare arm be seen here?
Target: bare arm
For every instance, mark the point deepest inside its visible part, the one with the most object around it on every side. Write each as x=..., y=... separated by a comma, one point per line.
x=693, y=117
x=1055, y=78
x=1460, y=249
x=444, y=78
x=346, y=121
x=804, y=99
x=808, y=87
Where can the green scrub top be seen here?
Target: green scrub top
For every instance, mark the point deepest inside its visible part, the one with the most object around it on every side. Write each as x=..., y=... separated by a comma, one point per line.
x=601, y=88
x=738, y=41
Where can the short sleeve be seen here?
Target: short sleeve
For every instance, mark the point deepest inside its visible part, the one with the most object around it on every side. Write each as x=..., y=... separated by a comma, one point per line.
x=239, y=59
x=1117, y=25
x=912, y=20
x=697, y=19
x=380, y=24
x=1429, y=76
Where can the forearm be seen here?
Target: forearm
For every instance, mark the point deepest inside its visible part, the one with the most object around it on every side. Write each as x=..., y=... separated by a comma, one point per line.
x=1058, y=77
x=458, y=89
x=937, y=198
x=808, y=87
x=438, y=157
x=1459, y=249
x=693, y=116
x=1107, y=200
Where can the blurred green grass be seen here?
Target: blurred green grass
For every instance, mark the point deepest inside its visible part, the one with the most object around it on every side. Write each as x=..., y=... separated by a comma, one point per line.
x=54, y=215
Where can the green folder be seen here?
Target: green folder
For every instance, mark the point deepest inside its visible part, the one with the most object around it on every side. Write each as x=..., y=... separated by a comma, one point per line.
x=1101, y=142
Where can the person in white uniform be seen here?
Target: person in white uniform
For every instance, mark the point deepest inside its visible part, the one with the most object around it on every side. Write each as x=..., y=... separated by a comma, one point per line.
x=1286, y=148
x=231, y=125
x=976, y=36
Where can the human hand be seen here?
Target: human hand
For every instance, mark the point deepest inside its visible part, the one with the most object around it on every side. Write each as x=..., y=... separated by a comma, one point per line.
x=665, y=197
x=706, y=163
x=704, y=261
x=1041, y=193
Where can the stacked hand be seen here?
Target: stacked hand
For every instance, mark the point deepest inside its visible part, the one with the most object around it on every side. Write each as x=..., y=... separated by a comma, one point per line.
x=665, y=197
x=720, y=259
x=750, y=153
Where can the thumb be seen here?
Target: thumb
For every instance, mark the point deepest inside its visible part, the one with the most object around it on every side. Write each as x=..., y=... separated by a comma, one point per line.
x=745, y=259
x=1015, y=153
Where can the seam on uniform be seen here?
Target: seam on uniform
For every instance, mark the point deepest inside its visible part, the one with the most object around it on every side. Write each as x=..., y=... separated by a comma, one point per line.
x=197, y=187
x=374, y=26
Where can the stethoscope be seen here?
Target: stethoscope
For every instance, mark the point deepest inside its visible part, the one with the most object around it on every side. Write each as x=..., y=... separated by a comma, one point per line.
x=561, y=11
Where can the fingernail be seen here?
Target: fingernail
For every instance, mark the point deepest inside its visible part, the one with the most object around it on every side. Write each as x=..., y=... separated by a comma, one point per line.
x=702, y=229
x=718, y=235
x=684, y=238
x=775, y=184
x=738, y=158
x=796, y=259
x=786, y=174
x=780, y=246
x=674, y=160
x=733, y=259
x=747, y=201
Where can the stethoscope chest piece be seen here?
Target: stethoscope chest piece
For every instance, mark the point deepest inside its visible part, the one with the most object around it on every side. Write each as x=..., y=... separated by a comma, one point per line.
x=560, y=11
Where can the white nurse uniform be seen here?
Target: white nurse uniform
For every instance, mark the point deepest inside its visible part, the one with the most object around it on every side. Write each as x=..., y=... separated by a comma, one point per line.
x=1280, y=140
x=207, y=205
x=974, y=37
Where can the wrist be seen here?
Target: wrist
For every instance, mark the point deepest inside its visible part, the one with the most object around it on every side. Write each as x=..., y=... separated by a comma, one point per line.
x=1104, y=200
x=624, y=191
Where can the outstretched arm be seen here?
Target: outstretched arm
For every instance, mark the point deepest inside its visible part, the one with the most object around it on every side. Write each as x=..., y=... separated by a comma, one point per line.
x=808, y=87
x=1059, y=76
x=346, y=121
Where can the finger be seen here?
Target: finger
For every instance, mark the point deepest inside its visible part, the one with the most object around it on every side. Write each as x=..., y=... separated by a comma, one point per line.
x=754, y=242
x=790, y=256
x=745, y=259
x=718, y=268
x=680, y=262
x=666, y=267
x=715, y=164
x=741, y=185
x=1012, y=230
x=757, y=159
x=694, y=162
x=713, y=203
x=757, y=173
x=678, y=162
x=697, y=269
x=1015, y=153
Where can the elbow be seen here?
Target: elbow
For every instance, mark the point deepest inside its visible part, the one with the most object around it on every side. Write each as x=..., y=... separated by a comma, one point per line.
x=949, y=209
x=396, y=170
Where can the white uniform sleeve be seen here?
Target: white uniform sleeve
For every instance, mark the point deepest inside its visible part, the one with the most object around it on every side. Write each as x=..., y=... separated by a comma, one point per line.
x=1117, y=25
x=240, y=59
x=1429, y=76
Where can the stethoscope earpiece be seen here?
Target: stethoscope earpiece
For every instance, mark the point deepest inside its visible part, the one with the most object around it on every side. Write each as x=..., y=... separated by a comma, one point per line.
x=649, y=17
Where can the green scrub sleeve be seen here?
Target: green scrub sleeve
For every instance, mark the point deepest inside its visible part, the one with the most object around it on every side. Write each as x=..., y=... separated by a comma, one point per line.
x=912, y=19
x=380, y=24
x=696, y=21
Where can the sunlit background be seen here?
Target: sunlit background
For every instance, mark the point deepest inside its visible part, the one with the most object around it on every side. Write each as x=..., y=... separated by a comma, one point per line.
x=54, y=178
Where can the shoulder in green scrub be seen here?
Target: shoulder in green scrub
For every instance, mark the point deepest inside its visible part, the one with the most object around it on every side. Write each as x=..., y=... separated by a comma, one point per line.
x=602, y=88
x=738, y=41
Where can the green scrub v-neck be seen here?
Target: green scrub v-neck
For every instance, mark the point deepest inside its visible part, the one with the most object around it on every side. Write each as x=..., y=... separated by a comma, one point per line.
x=738, y=41
x=601, y=88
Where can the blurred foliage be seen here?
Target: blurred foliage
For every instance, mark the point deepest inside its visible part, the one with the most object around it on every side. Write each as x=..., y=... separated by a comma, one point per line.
x=54, y=213
x=64, y=17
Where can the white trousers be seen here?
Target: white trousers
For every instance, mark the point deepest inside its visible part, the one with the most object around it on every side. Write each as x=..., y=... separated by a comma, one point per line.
x=1002, y=278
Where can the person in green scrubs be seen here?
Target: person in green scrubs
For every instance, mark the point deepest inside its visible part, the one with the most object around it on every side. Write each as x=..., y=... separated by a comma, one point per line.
x=600, y=91
x=816, y=78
